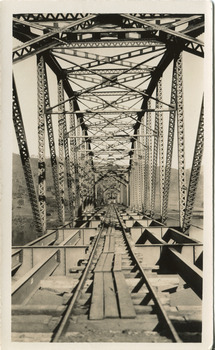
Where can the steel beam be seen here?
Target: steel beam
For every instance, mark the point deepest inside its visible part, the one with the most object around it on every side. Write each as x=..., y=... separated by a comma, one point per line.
x=29, y=283
x=34, y=46
x=169, y=151
x=157, y=27
x=154, y=167
x=147, y=160
x=61, y=130
x=161, y=145
x=51, y=140
x=41, y=140
x=195, y=172
x=74, y=161
x=190, y=273
x=25, y=159
x=181, y=146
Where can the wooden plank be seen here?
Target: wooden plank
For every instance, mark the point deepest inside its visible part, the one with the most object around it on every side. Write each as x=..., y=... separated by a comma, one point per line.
x=117, y=262
x=112, y=244
x=100, y=263
x=97, y=303
x=124, y=298
x=110, y=301
x=107, y=242
x=108, y=262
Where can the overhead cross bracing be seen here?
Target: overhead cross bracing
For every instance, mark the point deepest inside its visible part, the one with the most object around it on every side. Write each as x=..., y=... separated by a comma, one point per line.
x=110, y=91
x=111, y=114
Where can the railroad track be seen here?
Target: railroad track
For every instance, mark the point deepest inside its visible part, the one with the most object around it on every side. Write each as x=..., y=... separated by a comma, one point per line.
x=111, y=296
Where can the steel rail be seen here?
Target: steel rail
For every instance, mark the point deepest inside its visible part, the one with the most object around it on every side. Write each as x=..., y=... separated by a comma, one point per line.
x=64, y=320
x=155, y=297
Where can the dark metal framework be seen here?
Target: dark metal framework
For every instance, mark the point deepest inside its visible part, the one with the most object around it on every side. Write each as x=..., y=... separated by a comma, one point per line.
x=115, y=107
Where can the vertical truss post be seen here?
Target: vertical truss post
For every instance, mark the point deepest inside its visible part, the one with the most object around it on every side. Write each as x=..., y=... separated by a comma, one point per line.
x=66, y=151
x=92, y=178
x=149, y=116
x=61, y=109
x=84, y=163
x=169, y=152
x=142, y=163
x=132, y=187
x=136, y=174
x=80, y=161
x=25, y=159
x=195, y=171
x=129, y=190
x=74, y=160
x=180, y=130
x=52, y=147
x=161, y=143
x=131, y=183
x=41, y=141
x=139, y=171
x=147, y=159
x=154, y=166
x=79, y=158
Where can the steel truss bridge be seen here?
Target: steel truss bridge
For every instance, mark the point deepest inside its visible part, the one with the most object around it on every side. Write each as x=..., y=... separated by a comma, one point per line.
x=115, y=120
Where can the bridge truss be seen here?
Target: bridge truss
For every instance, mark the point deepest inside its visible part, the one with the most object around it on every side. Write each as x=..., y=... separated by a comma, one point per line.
x=115, y=120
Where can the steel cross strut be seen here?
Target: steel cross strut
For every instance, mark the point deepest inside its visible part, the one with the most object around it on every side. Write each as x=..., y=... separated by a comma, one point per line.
x=30, y=45
x=122, y=80
x=101, y=60
x=103, y=83
x=123, y=111
x=163, y=29
x=89, y=89
x=118, y=126
x=115, y=177
x=108, y=122
x=116, y=82
x=50, y=17
x=110, y=80
x=123, y=97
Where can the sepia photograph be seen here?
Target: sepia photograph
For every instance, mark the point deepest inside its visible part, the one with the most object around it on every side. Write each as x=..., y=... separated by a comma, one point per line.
x=111, y=180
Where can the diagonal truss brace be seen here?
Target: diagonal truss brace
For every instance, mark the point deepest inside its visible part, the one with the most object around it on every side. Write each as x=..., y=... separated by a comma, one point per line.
x=194, y=176
x=25, y=159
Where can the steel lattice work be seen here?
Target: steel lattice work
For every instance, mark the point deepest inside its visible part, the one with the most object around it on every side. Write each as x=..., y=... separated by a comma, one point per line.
x=114, y=107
